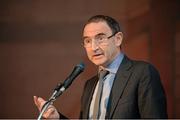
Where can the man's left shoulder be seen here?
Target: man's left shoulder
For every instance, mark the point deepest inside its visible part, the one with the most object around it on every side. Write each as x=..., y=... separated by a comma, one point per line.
x=143, y=65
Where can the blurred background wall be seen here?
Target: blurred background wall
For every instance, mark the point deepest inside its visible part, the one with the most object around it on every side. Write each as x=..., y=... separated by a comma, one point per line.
x=40, y=43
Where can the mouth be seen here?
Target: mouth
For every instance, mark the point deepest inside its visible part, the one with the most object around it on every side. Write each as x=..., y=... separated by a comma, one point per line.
x=97, y=55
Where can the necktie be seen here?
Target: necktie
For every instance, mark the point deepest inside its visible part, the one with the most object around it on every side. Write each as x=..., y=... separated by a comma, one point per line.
x=97, y=102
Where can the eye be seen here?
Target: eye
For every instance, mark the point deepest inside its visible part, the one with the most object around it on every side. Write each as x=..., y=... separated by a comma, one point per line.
x=87, y=40
x=100, y=38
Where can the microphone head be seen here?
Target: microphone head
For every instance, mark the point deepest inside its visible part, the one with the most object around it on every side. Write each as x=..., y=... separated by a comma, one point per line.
x=76, y=71
x=81, y=65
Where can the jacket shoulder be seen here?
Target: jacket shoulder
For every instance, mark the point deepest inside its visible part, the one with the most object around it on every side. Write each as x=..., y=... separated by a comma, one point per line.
x=143, y=65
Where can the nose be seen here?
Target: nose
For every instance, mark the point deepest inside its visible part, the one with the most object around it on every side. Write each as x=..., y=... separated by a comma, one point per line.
x=94, y=45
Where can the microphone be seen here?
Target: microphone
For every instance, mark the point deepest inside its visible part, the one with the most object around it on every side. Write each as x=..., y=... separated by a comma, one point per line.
x=61, y=87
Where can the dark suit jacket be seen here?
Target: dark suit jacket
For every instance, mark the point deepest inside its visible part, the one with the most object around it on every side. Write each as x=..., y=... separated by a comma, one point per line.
x=137, y=92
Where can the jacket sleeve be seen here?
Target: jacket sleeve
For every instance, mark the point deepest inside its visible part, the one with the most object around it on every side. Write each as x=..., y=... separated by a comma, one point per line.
x=62, y=116
x=83, y=101
x=151, y=95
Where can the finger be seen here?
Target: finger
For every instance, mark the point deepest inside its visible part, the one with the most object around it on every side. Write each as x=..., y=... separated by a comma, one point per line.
x=49, y=113
x=39, y=102
x=35, y=100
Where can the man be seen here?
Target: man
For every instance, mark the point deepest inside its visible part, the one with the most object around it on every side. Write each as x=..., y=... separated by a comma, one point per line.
x=130, y=89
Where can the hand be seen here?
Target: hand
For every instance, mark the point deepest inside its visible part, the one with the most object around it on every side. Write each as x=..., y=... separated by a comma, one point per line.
x=51, y=111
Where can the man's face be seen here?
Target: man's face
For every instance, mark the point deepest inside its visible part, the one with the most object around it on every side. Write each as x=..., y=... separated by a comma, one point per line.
x=102, y=54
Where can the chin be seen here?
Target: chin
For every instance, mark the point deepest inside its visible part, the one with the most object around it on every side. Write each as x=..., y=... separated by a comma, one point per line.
x=99, y=63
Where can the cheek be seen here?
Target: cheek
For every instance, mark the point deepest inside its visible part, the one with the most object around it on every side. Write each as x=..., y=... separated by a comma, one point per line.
x=107, y=55
x=88, y=53
x=109, y=52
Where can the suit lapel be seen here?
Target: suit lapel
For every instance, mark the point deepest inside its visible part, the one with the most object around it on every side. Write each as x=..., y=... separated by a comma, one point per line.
x=91, y=88
x=119, y=84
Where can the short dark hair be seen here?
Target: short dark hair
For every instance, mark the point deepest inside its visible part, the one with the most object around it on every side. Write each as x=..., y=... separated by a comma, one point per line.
x=111, y=22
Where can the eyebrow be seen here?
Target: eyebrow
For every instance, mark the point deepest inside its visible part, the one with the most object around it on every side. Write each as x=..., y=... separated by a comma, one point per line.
x=95, y=35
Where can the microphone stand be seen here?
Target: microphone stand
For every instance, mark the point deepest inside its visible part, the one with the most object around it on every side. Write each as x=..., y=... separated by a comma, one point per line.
x=57, y=92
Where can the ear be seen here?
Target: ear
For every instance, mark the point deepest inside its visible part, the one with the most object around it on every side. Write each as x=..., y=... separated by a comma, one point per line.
x=119, y=38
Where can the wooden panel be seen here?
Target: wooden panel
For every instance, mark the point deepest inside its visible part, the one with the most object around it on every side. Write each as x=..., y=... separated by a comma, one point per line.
x=138, y=47
x=177, y=70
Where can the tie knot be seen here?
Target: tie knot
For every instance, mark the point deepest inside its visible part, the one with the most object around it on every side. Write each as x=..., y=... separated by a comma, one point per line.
x=103, y=73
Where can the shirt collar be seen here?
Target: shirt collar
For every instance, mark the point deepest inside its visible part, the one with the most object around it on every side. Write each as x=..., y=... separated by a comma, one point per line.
x=113, y=67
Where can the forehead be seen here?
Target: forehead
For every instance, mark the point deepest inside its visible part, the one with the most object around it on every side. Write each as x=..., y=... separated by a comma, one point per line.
x=95, y=28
